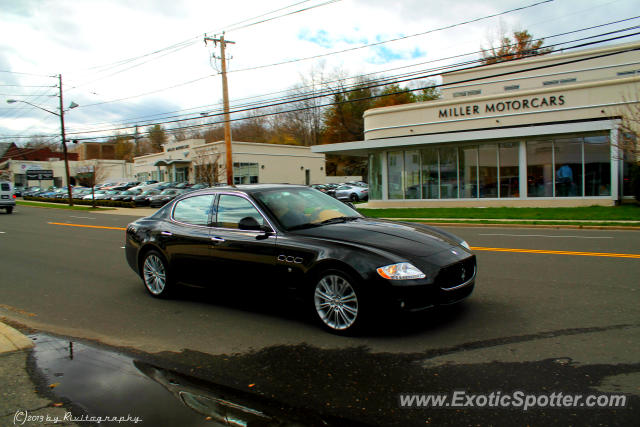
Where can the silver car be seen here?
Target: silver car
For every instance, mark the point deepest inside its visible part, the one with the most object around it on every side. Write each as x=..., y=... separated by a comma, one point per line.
x=352, y=193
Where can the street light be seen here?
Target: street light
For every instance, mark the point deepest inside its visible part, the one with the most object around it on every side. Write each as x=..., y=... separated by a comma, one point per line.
x=64, y=142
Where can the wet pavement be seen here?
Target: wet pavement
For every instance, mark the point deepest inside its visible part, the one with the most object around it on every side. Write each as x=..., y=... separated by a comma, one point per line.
x=105, y=386
x=306, y=385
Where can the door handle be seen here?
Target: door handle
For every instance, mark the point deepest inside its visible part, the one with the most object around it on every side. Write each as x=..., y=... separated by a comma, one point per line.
x=217, y=239
x=166, y=233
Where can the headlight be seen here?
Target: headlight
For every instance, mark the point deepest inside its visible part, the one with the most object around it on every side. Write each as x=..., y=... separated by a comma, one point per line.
x=465, y=244
x=400, y=271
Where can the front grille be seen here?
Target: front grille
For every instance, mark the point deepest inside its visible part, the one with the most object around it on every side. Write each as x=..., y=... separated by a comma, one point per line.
x=456, y=274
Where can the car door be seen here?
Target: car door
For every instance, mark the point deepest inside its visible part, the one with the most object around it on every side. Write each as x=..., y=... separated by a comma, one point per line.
x=242, y=240
x=185, y=238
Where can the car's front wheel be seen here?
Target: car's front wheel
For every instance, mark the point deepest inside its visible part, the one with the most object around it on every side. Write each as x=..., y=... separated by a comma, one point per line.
x=354, y=197
x=155, y=275
x=337, y=302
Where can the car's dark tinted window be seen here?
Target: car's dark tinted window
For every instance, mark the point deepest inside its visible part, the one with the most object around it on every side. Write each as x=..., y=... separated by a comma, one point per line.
x=5, y=186
x=194, y=210
x=231, y=209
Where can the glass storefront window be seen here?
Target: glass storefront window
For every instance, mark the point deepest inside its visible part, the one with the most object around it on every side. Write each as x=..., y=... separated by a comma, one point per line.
x=412, y=175
x=597, y=166
x=469, y=172
x=568, y=168
x=448, y=173
x=430, y=181
x=539, y=169
x=375, y=176
x=509, y=170
x=395, y=166
x=488, y=170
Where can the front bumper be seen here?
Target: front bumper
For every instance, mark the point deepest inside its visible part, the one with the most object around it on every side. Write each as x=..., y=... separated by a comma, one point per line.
x=452, y=284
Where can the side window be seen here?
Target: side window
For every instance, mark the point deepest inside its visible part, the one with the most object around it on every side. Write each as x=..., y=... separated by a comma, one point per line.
x=233, y=209
x=194, y=210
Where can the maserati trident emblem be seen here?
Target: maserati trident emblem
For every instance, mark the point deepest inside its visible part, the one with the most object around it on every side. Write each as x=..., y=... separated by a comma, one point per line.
x=464, y=273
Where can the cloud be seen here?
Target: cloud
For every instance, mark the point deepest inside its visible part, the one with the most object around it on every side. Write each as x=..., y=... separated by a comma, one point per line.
x=320, y=37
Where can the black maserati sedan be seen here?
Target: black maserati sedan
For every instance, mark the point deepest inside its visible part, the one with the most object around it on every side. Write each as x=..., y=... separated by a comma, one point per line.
x=347, y=268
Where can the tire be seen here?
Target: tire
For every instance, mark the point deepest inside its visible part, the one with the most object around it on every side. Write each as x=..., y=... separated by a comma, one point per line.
x=354, y=197
x=155, y=275
x=10, y=210
x=337, y=302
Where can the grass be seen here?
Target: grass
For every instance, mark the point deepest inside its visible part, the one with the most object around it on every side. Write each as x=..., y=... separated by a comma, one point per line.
x=58, y=206
x=581, y=214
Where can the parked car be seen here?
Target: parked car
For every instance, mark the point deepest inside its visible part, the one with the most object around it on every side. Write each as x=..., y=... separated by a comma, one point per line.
x=198, y=187
x=7, y=198
x=164, y=197
x=31, y=191
x=144, y=198
x=125, y=196
x=101, y=194
x=352, y=193
x=18, y=190
x=347, y=268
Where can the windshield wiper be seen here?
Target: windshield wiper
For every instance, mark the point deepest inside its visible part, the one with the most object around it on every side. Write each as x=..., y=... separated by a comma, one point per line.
x=339, y=220
x=302, y=226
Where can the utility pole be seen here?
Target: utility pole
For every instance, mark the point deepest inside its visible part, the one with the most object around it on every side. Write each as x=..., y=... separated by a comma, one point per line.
x=225, y=102
x=64, y=142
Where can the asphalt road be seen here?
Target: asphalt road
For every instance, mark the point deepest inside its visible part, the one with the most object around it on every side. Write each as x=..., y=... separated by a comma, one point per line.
x=537, y=322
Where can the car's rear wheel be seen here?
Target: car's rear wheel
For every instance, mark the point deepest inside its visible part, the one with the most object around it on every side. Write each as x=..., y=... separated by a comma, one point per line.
x=337, y=302
x=155, y=275
x=10, y=210
x=354, y=197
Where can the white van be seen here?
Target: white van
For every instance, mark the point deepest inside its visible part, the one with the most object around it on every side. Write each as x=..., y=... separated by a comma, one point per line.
x=7, y=199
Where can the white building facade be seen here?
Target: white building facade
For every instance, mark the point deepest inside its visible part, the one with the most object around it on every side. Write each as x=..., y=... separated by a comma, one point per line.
x=542, y=131
x=194, y=161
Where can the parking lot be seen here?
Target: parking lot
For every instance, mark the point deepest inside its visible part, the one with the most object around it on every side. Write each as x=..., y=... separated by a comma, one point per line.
x=553, y=310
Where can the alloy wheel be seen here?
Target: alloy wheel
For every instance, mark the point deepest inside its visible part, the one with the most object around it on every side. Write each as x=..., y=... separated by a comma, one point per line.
x=336, y=302
x=155, y=274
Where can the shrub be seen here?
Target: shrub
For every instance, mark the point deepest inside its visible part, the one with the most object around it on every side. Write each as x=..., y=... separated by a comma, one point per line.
x=107, y=203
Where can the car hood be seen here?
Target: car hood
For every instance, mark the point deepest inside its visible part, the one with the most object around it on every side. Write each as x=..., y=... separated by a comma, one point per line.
x=406, y=239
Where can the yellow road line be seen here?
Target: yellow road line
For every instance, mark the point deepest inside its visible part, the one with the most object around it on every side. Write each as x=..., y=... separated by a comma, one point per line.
x=473, y=248
x=87, y=226
x=538, y=251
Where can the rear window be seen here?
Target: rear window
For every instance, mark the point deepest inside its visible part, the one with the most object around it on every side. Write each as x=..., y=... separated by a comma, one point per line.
x=5, y=187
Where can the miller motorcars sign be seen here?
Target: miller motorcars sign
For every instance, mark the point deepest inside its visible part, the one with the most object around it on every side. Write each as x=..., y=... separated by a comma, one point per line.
x=502, y=106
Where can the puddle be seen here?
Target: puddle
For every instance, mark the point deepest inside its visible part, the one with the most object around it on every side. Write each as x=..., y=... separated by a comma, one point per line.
x=111, y=384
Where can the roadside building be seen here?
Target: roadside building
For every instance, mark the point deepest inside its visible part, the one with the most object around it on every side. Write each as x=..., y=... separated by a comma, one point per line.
x=194, y=161
x=96, y=150
x=106, y=170
x=542, y=131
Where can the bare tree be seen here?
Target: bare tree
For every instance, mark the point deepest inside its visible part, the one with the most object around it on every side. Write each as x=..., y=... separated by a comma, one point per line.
x=207, y=166
x=91, y=175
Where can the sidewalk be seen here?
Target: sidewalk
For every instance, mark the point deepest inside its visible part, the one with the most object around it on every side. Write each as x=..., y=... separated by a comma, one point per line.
x=20, y=404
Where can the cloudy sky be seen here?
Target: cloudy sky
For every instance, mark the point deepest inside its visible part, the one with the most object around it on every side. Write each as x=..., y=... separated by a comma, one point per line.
x=138, y=61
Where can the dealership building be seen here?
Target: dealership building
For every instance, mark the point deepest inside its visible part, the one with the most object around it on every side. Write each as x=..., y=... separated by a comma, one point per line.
x=193, y=160
x=542, y=131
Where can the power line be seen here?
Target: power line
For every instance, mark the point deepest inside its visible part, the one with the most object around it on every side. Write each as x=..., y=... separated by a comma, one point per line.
x=330, y=53
x=186, y=43
x=392, y=79
x=391, y=40
x=535, y=68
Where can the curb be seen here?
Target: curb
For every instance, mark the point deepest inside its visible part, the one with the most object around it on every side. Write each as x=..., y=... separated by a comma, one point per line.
x=12, y=340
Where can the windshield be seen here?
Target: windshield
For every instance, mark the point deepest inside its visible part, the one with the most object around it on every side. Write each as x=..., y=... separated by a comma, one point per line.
x=168, y=192
x=298, y=208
